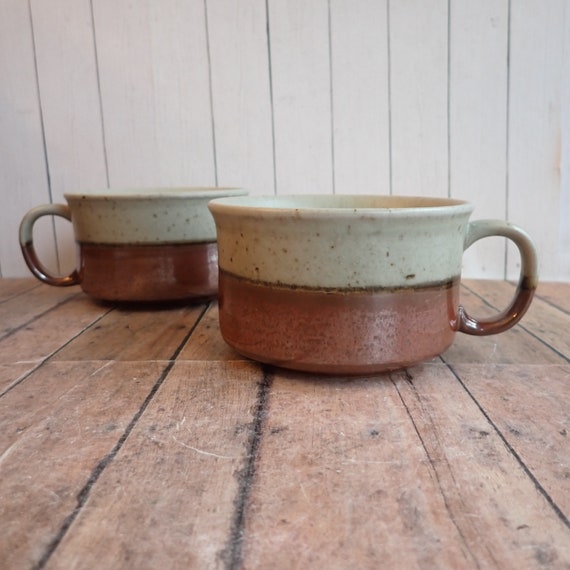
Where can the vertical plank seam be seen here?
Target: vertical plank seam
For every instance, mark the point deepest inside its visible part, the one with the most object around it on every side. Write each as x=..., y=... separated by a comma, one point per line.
x=270, y=70
x=331, y=94
x=389, y=88
x=100, y=95
x=43, y=130
x=85, y=492
x=507, y=134
x=211, y=91
x=449, y=98
x=552, y=504
x=232, y=555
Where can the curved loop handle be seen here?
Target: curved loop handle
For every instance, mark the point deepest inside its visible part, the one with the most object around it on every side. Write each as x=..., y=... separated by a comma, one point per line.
x=27, y=244
x=528, y=279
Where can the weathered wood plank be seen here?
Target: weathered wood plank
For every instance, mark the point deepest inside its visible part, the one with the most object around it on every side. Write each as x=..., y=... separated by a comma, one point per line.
x=14, y=286
x=360, y=96
x=24, y=175
x=530, y=405
x=55, y=428
x=241, y=102
x=207, y=342
x=12, y=372
x=384, y=472
x=30, y=345
x=135, y=333
x=153, y=69
x=70, y=106
x=557, y=294
x=537, y=140
x=546, y=322
x=169, y=497
x=478, y=83
x=20, y=309
x=511, y=347
x=419, y=97
x=300, y=67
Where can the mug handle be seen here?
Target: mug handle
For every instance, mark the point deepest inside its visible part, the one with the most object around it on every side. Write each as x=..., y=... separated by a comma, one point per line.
x=526, y=287
x=27, y=244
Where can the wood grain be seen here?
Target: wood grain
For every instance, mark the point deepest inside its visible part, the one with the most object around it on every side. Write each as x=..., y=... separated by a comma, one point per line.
x=168, y=498
x=14, y=287
x=56, y=429
x=556, y=294
x=29, y=346
x=18, y=310
x=138, y=333
x=384, y=472
x=529, y=405
x=148, y=443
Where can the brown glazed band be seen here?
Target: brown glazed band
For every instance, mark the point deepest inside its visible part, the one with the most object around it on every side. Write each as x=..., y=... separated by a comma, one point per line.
x=526, y=287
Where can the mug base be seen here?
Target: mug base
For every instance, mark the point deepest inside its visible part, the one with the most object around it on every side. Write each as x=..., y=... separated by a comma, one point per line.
x=348, y=332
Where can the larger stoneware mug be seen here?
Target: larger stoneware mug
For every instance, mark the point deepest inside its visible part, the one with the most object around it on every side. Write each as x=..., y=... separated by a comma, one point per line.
x=352, y=284
x=150, y=244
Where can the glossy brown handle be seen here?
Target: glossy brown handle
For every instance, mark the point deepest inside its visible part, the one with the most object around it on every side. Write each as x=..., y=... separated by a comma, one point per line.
x=526, y=287
x=27, y=244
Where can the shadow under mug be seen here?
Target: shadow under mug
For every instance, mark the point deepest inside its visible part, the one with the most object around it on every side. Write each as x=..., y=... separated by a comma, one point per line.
x=352, y=284
x=149, y=244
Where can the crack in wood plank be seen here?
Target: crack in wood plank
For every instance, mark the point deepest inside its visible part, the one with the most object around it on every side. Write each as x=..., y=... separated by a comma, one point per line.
x=433, y=462
x=232, y=554
x=84, y=493
x=551, y=502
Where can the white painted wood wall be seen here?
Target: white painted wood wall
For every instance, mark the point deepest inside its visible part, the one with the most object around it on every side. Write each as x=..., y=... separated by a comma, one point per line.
x=435, y=97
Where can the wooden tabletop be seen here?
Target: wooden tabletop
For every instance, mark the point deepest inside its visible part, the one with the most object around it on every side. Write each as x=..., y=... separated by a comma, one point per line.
x=135, y=438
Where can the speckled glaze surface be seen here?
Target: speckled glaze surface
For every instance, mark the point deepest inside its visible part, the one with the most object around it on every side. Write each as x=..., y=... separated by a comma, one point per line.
x=154, y=244
x=350, y=284
x=151, y=216
x=341, y=241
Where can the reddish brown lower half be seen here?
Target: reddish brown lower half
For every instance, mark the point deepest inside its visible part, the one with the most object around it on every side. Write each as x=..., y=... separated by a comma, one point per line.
x=149, y=272
x=340, y=332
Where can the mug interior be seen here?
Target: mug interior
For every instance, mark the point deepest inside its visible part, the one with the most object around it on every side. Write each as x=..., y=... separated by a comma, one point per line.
x=339, y=202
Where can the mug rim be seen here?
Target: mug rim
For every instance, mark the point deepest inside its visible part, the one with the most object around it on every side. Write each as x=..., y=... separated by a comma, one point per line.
x=332, y=205
x=168, y=192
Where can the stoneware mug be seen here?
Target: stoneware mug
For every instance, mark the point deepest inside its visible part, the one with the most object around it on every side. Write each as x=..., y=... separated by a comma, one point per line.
x=152, y=244
x=352, y=284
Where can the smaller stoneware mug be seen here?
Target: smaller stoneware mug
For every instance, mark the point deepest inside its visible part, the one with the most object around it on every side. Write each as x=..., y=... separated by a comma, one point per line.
x=352, y=284
x=150, y=244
